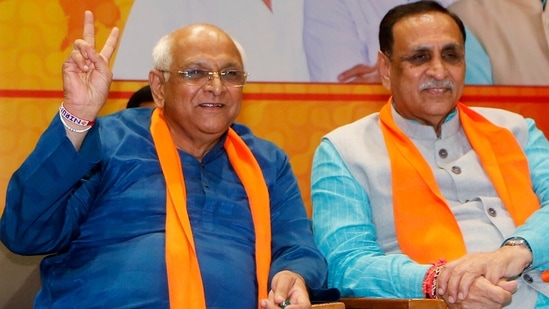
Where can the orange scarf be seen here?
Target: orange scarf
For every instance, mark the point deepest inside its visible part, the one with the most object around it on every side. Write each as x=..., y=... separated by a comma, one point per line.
x=183, y=269
x=426, y=228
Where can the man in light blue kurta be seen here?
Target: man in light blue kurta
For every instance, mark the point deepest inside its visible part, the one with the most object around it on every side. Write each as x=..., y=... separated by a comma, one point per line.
x=352, y=214
x=352, y=183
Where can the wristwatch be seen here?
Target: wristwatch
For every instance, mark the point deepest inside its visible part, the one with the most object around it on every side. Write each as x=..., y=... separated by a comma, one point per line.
x=518, y=241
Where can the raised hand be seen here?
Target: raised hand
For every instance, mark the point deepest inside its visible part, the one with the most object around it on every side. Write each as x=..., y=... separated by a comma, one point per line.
x=86, y=74
x=360, y=74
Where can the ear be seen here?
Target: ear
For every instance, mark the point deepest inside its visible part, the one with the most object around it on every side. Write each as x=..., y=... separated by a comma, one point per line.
x=384, y=69
x=156, y=81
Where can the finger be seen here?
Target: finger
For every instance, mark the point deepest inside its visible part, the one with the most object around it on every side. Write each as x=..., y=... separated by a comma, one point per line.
x=101, y=61
x=443, y=277
x=110, y=45
x=509, y=286
x=89, y=31
x=346, y=76
x=494, y=272
x=452, y=284
x=349, y=73
x=357, y=72
x=484, y=295
x=281, y=287
x=268, y=302
x=300, y=299
x=280, y=298
x=80, y=54
x=465, y=284
x=366, y=79
x=368, y=69
x=499, y=294
x=343, y=77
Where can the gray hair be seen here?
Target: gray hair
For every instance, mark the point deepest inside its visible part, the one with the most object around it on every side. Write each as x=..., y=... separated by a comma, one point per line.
x=162, y=55
x=242, y=52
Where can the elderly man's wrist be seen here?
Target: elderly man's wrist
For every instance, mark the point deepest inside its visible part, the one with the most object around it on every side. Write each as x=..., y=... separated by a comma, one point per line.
x=520, y=242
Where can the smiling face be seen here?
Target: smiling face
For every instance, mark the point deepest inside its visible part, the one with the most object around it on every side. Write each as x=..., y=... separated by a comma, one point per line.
x=426, y=72
x=198, y=113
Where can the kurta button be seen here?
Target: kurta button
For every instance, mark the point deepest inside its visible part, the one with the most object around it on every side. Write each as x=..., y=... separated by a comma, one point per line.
x=492, y=212
x=443, y=153
x=527, y=278
x=456, y=170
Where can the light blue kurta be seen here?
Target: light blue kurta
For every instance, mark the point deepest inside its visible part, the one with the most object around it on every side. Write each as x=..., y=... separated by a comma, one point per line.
x=352, y=203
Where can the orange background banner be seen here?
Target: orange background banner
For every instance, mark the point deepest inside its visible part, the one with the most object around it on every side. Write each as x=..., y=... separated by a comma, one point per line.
x=294, y=116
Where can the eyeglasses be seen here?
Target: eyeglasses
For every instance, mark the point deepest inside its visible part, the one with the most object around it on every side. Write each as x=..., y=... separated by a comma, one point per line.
x=232, y=78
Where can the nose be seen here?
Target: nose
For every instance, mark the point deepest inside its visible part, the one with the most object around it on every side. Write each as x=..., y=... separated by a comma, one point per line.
x=215, y=85
x=212, y=73
x=437, y=69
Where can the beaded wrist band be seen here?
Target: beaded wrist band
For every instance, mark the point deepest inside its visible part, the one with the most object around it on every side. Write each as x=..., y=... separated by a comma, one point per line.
x=72, y=118
x=429, y=287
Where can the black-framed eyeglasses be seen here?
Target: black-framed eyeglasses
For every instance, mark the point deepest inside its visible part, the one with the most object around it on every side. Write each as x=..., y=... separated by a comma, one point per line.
x=232, y=78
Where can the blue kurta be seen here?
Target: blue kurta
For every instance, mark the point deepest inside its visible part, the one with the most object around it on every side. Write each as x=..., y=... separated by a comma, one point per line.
x=101, y=213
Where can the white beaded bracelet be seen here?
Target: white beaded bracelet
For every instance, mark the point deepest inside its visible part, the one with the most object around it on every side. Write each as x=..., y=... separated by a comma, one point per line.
x=70, y=128
x=72, y=118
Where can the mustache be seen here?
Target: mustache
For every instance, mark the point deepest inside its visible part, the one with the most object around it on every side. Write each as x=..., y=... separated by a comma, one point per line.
x=433, y=83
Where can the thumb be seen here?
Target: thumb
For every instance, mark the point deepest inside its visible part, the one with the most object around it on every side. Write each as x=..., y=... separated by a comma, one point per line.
x=509, y=286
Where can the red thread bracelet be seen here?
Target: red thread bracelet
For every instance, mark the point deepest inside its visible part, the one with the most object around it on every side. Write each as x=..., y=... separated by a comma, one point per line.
x=72, y=118
x=429, y=286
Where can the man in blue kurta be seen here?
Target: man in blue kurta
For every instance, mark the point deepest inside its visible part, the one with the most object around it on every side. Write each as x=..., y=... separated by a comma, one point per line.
x=94, y=192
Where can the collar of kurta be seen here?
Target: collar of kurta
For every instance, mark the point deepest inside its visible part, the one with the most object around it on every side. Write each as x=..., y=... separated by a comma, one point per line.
x=183, y=269
x=425, y=226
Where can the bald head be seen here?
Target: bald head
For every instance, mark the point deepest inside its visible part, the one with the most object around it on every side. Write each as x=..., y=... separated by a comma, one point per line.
x=200, y=38
x=202, y=31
